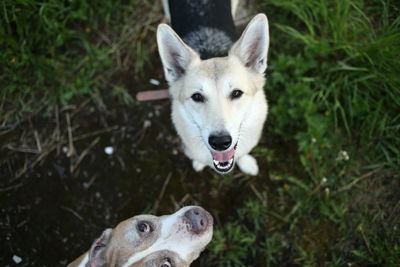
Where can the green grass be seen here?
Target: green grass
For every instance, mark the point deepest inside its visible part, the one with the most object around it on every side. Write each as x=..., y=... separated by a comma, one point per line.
x=346, y=65
x=334, y=90
x=55, y=51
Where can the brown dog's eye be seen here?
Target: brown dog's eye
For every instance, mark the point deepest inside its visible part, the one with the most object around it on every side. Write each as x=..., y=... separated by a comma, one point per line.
x=236, y=94
x=197, y=97
x=144, y=227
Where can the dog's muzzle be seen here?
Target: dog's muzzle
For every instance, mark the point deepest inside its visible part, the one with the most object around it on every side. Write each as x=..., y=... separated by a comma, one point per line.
x=223, y=158
x=224, y=161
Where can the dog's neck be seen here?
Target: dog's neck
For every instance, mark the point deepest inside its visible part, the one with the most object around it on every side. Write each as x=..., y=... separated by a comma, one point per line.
x=207, y=25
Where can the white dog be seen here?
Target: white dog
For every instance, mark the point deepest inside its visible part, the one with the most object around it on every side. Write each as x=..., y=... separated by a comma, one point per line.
x=174, y=240
x=218, y=102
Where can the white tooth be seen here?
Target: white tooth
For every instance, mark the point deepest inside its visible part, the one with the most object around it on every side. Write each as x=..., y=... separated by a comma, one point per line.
x=216, y=162
x=230, y=162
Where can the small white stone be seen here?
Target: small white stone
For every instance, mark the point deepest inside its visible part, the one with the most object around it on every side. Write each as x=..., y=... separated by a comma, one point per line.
x=17, y=259
x=108, y=150
x=154, y=82
x=146, y=124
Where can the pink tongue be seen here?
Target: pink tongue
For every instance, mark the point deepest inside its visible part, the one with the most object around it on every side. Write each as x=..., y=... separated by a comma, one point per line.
x=223, y=156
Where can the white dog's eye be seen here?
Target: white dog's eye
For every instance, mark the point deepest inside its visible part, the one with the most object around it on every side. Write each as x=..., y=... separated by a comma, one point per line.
x=144, y=227
x=197, y=97
x=236, y=94
x=166, y=263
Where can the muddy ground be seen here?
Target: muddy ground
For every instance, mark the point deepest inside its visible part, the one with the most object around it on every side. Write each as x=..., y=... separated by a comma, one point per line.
x=60, y=189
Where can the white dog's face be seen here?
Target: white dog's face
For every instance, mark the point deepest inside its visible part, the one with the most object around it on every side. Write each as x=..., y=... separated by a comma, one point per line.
x=216, y=94
x=174, y=240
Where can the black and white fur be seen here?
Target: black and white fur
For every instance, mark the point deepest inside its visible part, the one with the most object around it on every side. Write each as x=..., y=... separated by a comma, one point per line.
x=216, y=84
x=206, y=25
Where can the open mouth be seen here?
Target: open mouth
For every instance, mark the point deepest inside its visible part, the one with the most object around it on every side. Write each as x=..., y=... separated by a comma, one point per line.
x=224, y=161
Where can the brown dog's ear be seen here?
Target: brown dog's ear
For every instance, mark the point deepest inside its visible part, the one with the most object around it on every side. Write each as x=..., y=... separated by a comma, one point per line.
x=252, y=47
x=97, y=251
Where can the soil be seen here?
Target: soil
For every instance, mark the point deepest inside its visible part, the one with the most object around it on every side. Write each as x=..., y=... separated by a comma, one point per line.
x=59, y=189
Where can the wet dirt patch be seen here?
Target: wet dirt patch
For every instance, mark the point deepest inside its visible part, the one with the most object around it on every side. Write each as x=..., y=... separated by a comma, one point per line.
x=69, y=174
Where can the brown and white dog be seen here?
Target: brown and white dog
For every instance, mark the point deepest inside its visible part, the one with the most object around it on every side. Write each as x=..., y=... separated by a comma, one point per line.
x=174, y=240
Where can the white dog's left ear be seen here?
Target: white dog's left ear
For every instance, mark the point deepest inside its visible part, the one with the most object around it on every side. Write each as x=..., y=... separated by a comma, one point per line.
x=252, y=47
x=175, y=54
x=97, y=251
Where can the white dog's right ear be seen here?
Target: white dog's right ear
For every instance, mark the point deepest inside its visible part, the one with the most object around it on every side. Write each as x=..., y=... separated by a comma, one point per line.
x=175, y=54
x=97, y=256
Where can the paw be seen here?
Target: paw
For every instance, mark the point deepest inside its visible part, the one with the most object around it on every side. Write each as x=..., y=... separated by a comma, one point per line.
x=198, y=166
x=248, y=165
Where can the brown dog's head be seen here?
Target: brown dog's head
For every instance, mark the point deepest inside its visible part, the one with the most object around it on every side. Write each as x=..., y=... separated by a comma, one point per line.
x=167, y=241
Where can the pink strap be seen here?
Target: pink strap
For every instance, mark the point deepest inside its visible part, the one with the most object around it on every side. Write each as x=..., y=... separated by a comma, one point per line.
x=152, y=95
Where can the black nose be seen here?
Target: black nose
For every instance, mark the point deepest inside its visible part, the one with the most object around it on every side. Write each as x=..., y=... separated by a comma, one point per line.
x=198, y=219
x=220, y=142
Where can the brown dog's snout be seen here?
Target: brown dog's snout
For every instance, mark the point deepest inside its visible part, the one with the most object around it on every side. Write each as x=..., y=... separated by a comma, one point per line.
x=199, y=219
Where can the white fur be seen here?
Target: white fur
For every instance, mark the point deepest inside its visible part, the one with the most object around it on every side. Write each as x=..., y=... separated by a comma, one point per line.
x=84, y=261
x=248, y=164
x=215, y=79
x=175, y=237
x=253, y=44
x=198, y=166
x=234, y=5
x=210, y=39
